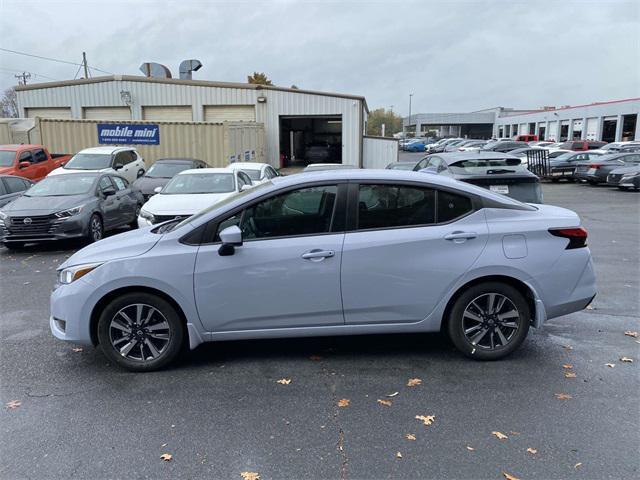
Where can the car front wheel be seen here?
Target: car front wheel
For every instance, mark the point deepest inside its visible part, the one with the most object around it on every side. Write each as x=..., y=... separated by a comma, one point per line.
x=489, y=321
x=140, y=332
x=96, y=229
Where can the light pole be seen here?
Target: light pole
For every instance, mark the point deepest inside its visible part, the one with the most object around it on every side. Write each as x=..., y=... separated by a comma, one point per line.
x=409, y=124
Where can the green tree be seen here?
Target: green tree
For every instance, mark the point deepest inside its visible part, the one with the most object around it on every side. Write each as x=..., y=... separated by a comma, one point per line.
x=392, y=123
x=259, y=78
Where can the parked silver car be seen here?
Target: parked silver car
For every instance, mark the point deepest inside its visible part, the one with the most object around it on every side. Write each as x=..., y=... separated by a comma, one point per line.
x=340, y=252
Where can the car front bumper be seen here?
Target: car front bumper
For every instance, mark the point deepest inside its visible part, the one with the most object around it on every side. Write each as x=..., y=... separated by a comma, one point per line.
x=56, y=229
x=67, y=320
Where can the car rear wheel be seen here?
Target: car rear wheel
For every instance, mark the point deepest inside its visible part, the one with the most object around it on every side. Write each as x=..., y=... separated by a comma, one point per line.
x=140, y=332
x=489, y=321
x=96, y=228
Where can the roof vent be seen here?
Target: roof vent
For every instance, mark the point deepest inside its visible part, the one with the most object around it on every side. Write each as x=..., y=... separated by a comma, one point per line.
x=188, y=66
x=156, y=70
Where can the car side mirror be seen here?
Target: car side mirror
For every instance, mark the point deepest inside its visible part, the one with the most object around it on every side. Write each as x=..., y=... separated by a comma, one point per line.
x=117, y=167
x=157, y=189
x=108, y=192
x=245, y=187
x=140, y=173
x=22, y=165
x=231, y=237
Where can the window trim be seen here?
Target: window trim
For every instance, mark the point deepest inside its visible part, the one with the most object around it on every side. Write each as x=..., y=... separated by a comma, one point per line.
x=352, y=207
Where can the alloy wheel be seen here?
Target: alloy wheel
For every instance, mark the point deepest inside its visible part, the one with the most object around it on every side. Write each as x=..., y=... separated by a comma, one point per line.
x=96, y=229
x=490, y=321
x=139, y=332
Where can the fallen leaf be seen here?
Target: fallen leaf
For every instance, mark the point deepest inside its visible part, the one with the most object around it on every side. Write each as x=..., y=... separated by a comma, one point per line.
x=500, y=435
x=471, y=449
x=315, y=358
x=163, y=445
x=426, y=419
x=579, y=464
x=250, y=475
x=284, y=381
x=563, y=396
x=77, y=349
x=414, y=382
x=568, y=347
x=410, y=436
x=570, y=375
x=509, y=477
x=568, y=366
x=344, y=402
x=386, y=403
x=532, y=451
x=166, y=457
x=515, y=433
x=398, y=455
x=629, y=333
x=393, y=394
x=626, y=359
x=13, y=404
x=610, y=365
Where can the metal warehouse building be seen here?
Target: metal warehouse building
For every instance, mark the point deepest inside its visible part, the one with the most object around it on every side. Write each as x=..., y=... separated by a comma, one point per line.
x=293, y=119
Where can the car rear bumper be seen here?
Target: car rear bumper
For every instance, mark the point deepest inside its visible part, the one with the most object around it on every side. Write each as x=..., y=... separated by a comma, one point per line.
x=582, y=293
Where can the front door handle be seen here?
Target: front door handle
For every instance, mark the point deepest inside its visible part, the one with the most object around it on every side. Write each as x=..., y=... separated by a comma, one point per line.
x=317, y=255
x=460, y=236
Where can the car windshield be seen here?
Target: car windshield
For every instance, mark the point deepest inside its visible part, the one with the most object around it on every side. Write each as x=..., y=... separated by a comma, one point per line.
x=62, y=185
x=253, y=173
x=167, y=169
x=200, y=183
x=480, y=166
x=89, y=161
x=6, y=158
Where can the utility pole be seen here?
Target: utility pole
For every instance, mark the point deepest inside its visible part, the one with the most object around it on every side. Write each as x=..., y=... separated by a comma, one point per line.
x=409, y=124
x=84, y=63
x=23, y=77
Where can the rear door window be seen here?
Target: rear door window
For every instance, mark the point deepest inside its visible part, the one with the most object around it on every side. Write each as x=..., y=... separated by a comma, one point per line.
x=119, y=183
x=452, y=206
x=392, y=206
x=39, y=156
x=26, y=157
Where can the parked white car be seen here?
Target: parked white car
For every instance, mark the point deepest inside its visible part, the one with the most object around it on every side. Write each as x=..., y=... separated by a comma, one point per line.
x=125, y=161
x=258, y=172
x=191, y=191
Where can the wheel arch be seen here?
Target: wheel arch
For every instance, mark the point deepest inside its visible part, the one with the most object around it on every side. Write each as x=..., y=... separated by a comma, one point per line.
x=526, y=290
x=102, y=303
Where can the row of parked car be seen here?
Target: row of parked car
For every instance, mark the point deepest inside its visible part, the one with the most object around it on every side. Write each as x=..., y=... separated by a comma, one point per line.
x=105, y=188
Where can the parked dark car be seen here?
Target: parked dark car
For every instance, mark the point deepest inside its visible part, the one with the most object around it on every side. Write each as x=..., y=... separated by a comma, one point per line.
x=73, y=205
x=505, y=146
x=498, y=172
x=404, y=165
x=625, y=178
x=581, y=145
x=11, y=187
x=317, y=152
x=563, y=166
x=161, y=172
x=596, y=171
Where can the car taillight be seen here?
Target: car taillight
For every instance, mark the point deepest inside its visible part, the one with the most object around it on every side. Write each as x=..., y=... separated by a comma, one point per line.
x=577, y=236
x=595, y=165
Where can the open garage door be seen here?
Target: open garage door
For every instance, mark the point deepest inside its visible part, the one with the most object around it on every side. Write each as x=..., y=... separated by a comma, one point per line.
x=168, y=113
x=609, y=125
x=310, y=139
x=54, y=112
x=107, y=113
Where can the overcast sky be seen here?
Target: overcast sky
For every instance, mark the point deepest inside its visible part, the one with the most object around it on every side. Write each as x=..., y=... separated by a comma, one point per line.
x=454, y=56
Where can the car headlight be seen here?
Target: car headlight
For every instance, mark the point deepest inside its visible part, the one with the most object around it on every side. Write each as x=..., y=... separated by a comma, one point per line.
x=629, y=176
x=71, y=274
x=148, y=216
x=69, y=213
x=3, y=215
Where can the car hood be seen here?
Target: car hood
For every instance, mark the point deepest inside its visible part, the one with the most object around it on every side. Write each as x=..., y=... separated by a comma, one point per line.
x=24, y=206
x=163, y=204
x=125, y=245
x=147, y=184
x=625, y=170
x=62, y=170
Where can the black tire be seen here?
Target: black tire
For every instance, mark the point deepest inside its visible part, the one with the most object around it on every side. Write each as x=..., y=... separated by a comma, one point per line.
x=14, y=245
x=134, y=224
x=458, y=321
x=140, y=357
x=555, y=180
x=95, y=229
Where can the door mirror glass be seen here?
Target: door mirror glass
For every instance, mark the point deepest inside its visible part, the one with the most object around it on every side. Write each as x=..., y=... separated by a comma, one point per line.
x=231, y=237
x=107, y=192
x=22, y=165
x=157, y=189
x=245, y=187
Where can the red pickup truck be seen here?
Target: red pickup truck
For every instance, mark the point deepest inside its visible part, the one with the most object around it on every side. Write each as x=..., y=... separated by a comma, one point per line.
x=29, y=161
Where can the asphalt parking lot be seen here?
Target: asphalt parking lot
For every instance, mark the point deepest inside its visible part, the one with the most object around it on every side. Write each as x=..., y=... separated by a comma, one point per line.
x=221, y=411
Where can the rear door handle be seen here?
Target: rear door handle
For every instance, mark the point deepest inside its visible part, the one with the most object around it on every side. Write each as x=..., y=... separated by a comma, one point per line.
x=460, y=236
x=318, y=254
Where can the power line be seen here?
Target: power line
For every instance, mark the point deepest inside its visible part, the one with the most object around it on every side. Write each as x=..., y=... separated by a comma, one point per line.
x=32, y=73
x=53, y=60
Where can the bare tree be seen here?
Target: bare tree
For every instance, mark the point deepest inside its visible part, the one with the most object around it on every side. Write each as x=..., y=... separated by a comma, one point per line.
x=9, y=103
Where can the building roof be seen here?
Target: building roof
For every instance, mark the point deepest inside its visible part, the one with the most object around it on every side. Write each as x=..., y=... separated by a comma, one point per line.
x=176, y=81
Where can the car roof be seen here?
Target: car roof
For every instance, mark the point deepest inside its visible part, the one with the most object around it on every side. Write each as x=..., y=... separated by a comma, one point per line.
x=206, y=170
x=453, y=157
x=178, y=160
x=103, y=150
x=247, y=165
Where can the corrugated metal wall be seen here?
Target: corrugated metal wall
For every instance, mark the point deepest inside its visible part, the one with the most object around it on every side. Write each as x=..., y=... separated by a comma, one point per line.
x=379, y=152
x=5, y=134
x=215, y=143
x=278, y=103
